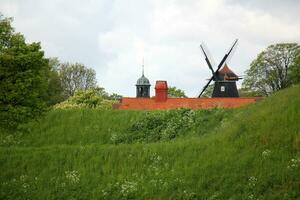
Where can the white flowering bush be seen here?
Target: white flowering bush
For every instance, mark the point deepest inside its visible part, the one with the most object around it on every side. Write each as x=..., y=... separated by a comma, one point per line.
x=86, y=99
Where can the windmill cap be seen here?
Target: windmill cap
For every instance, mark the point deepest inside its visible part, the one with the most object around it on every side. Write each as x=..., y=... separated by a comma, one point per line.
x=227, y=71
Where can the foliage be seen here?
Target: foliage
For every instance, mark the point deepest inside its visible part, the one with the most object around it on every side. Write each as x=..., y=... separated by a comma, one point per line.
x=295, y=70
x=55, y=91
x=115, y=96
x=76, y=77
x=271, y=70
x=175, y=92
x=168, y=125
x=95, y=98
x=208, y=91
x=24, y=72
x=246, y=92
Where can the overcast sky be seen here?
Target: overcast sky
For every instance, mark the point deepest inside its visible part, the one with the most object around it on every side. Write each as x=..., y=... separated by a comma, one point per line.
x=113, y=36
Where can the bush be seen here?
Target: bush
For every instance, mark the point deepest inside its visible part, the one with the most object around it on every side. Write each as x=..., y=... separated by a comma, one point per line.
x=167, y=125
x=86, y=99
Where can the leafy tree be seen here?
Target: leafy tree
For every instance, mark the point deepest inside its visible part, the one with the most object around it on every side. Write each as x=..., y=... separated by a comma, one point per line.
x=76, y=77
x=101, y=92
x=271, y=70
x=295, y=75
x=243, y=92
x=23, y=77
x=115, y=96
x=209, y=90
x=55, y=90
x=175, y=92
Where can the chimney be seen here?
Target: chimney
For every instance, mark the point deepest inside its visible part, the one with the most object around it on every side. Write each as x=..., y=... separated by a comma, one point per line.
x=161, y=91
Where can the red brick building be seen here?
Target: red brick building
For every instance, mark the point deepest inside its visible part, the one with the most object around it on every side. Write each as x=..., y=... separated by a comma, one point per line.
x=161, y=101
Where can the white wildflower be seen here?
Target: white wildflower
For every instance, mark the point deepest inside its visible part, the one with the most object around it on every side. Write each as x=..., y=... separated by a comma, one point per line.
x=294, y=163
x=251, y=196
x=252, y=181
x=128, y=187
x=266, y=153
x=114, y=137
x=23, y=178
x=72, y=176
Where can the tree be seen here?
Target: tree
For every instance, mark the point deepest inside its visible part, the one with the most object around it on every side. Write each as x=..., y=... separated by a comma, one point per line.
x=295, y=75
x=174, y=92
x=23, y=77
x=76, y=77
x=271, y=70
x=55, y=91
x=115, y=96
x=243, y=92
x=208, y=91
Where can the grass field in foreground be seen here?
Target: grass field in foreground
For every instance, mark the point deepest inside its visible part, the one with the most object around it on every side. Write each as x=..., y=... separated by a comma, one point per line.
x=248, y=153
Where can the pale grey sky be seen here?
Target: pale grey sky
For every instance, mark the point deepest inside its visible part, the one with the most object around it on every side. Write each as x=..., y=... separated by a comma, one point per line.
x=113, y=36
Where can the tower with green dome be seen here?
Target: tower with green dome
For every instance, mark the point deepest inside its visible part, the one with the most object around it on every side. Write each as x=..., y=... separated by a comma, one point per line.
x=143, y=87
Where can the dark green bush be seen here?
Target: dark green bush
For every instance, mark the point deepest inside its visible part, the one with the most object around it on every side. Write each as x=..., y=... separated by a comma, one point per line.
x=167, y=125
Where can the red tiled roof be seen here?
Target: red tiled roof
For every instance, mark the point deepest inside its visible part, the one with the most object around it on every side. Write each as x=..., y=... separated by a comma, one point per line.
x=228, y=72
x=192, y=103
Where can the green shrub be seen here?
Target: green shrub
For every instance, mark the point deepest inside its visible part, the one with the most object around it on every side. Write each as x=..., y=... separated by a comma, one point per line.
x=86, y=99
x=167, y=125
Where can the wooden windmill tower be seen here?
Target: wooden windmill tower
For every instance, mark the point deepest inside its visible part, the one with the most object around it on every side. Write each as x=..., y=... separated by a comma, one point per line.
x=224, y=78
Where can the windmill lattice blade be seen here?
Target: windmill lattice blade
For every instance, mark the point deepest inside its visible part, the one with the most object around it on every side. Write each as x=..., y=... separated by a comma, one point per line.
x=207, y=59
x=226, y=55
x=208, y=54
x=204, y=88
x=234, y=46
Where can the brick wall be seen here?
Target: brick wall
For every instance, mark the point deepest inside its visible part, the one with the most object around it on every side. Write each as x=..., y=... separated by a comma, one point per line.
x=173, y=103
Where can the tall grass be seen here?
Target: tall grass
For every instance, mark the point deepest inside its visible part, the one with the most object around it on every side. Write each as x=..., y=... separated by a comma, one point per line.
x=89, y=126
x=252, y=153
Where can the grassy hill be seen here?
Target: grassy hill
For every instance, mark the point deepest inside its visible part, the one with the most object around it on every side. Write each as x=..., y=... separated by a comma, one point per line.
x=247, y=153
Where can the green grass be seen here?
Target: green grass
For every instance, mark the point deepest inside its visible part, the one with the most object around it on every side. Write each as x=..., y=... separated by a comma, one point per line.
x=248, y=153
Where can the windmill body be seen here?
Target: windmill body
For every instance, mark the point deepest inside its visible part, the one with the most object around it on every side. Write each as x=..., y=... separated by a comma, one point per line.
x=224, y=78
x=225, y=85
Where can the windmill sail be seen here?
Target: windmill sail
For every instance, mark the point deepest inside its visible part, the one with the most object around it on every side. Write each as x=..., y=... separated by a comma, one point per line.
x=215, y=76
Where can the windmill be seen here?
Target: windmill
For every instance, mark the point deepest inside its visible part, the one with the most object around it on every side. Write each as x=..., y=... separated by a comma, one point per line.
x=225, y=79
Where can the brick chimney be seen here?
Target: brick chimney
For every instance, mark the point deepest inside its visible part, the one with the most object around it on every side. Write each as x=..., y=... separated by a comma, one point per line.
x=161, y=91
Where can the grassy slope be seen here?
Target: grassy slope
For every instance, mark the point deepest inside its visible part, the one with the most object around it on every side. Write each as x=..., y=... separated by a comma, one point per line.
x=67, y=156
